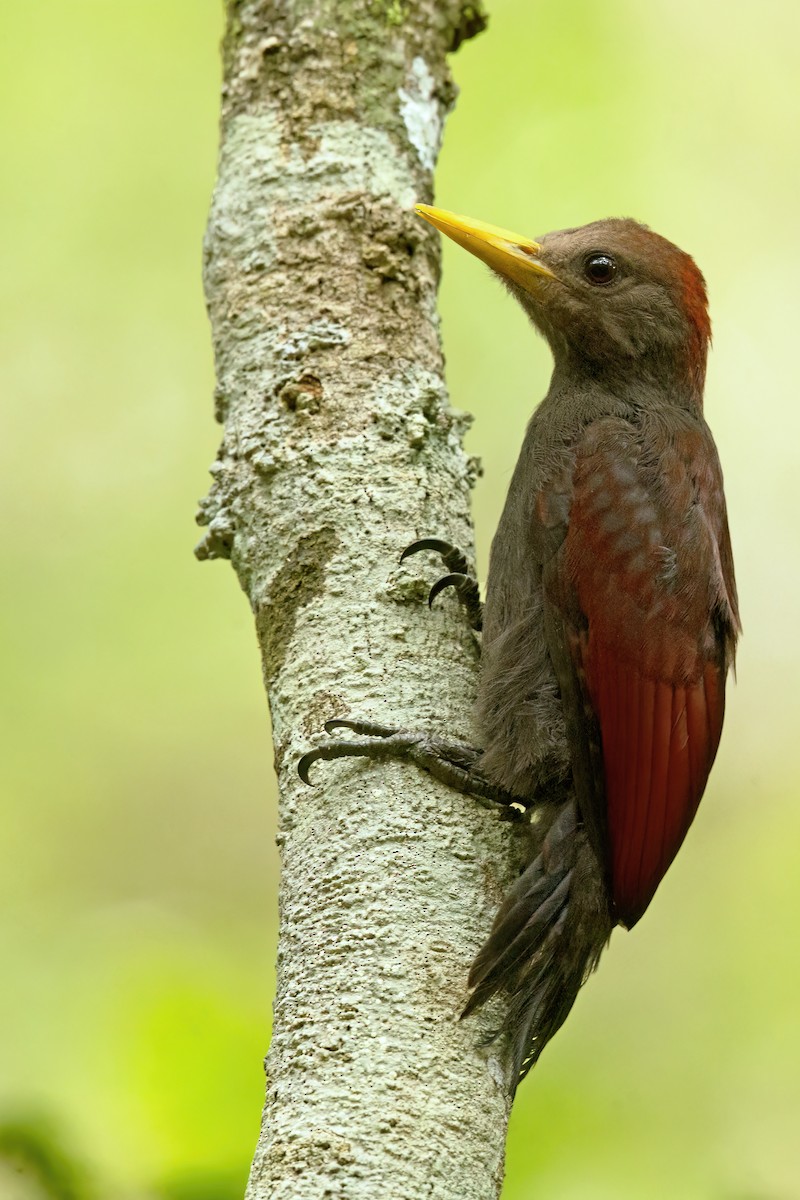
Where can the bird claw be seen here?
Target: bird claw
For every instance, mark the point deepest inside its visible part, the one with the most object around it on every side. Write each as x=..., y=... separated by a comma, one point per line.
x=451, y=762
x=459, y=577
x=366, y=728
x=453, y=558
x=374, y=741
x=465, y=585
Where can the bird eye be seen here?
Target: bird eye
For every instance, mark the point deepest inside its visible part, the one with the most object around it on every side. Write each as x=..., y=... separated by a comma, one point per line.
x=600, y=269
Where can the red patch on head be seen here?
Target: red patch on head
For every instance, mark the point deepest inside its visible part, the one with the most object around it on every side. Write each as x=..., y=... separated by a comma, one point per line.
x=680, y=272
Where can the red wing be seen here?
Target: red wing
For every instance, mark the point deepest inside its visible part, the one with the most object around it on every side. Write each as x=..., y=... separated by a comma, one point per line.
x=659, y=739
x=647, y=619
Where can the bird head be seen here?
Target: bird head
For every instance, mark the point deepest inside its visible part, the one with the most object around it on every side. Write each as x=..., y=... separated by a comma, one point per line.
x=611, y=295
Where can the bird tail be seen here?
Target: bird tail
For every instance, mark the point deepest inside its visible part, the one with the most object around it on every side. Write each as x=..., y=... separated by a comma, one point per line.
x=546, y=940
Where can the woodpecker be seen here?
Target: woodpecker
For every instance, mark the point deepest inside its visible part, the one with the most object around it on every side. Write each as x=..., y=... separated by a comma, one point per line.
x=610, y=618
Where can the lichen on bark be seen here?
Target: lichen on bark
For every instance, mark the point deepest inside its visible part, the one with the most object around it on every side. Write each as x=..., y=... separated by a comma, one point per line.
x=340, y=448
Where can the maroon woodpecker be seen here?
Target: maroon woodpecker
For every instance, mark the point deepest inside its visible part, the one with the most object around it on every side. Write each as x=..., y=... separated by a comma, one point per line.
x=610, y=619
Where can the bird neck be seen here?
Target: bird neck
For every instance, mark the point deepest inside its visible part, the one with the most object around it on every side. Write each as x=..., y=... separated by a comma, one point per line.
x=646, y=380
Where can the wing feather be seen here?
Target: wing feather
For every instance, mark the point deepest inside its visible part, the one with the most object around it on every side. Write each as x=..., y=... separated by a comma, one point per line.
x=642, y=625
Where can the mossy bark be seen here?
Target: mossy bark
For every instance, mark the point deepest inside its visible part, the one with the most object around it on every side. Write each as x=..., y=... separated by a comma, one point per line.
x=339, y=449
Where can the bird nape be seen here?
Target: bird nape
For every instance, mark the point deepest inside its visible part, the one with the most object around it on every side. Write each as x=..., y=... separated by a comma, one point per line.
x=610, y=618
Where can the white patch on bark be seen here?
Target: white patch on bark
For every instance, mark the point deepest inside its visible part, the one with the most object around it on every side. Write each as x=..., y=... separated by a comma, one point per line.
x=316, y=336
x=368, y=158
x=348, y=155
x=421, y=112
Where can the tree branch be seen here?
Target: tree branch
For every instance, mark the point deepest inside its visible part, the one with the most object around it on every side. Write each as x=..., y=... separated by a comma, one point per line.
x=339, y=449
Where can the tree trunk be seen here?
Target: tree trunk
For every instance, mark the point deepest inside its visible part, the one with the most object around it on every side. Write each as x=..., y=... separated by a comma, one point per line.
x=340, y=449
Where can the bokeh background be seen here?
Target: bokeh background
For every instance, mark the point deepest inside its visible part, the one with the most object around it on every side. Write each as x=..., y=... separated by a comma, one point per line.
x=137, y=869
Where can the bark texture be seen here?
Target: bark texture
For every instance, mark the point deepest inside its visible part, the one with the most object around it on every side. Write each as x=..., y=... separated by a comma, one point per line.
x=339, y=449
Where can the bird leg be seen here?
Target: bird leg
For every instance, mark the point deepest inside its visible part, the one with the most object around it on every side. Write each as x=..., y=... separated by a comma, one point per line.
x=460, y=577
x=451, y=762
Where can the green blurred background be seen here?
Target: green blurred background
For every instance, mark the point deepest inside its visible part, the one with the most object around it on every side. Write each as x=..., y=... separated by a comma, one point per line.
x=137, y=868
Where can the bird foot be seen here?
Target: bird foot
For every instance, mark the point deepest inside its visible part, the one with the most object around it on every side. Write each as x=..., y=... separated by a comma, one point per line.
x=459, y=577
x=451, y=762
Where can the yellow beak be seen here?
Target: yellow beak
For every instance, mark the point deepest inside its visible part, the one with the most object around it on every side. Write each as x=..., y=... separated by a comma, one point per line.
x=507, y=253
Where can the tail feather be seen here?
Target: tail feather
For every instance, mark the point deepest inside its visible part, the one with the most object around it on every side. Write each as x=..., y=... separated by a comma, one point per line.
x=546, y=940
x=521, y=946
x=517, y=915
